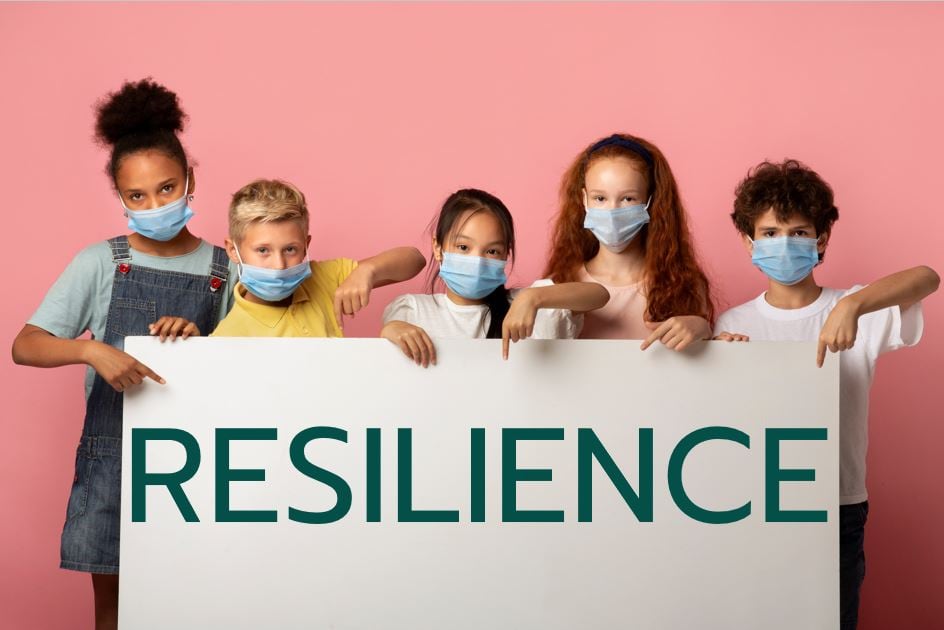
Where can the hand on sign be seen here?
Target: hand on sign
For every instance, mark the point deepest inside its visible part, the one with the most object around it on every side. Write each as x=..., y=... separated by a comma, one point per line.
x=677, y=333
x=412, y=340
x=726, y=336
x=169, y=326
x=519, y=321
x=840, y=330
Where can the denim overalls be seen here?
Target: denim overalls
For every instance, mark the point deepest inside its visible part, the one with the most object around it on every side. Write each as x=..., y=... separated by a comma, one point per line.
x=140, y=296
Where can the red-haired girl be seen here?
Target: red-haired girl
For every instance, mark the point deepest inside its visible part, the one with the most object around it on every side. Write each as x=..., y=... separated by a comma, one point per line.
x=622, y=224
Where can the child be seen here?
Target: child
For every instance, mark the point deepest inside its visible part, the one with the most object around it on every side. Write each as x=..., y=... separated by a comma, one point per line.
x=785, y=214
x=474, y=239
x=622, y=224
x=159, y=280
x=281, y=292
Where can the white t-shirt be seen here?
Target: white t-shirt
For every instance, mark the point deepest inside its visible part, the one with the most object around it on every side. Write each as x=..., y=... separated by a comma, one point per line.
x=879, y=332
x=441, y=317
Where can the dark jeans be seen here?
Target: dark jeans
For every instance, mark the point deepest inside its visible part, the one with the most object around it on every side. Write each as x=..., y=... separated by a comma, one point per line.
x=852, y=520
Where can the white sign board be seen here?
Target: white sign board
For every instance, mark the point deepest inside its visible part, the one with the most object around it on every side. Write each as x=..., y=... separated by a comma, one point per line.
x=331, y=483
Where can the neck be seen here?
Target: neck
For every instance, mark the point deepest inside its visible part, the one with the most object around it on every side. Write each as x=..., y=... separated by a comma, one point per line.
x=183, y=243
x=795, y=296
x=617, y=269
x=455, y=298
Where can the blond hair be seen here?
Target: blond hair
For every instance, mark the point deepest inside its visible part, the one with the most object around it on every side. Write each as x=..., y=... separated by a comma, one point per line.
x=266, y=201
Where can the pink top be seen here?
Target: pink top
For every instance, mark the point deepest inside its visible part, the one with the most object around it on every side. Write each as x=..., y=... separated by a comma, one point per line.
x=621, y=318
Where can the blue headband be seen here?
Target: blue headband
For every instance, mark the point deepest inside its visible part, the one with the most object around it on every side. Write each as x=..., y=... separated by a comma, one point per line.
x=633, y=146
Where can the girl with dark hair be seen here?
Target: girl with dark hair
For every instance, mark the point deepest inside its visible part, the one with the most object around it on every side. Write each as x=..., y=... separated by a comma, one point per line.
x=160, y=280
x=622, y=224
x=473, y=240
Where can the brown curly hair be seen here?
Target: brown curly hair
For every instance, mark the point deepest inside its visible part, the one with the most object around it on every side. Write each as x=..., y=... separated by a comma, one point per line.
x=789, y=188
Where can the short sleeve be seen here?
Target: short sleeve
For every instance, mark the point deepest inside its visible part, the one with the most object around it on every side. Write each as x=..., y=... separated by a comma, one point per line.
x=890, y=328
x=344, y=268
x=401, y=309
x=68, y=308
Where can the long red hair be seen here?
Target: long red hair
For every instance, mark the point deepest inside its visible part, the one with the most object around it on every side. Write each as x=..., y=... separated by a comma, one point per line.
x=675, y=283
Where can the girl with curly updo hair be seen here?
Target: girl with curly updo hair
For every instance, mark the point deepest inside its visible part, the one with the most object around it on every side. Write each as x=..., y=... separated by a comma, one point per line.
x=159, y=279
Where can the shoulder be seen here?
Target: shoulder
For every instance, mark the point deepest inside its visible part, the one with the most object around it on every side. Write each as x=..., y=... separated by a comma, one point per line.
x=95, y=255
x=334, y=270
x=739, y=314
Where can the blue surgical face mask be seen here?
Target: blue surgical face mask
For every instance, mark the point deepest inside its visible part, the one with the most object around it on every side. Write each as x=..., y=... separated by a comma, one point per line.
x=160, y=224
x=786, y=259
x=472, y=277
x=272, y=285
x=615, y=229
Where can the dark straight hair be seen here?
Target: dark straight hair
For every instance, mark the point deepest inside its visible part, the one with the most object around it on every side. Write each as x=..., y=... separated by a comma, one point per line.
x=475, y=200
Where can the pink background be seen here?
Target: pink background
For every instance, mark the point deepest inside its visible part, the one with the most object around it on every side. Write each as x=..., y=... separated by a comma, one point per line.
x=379, y=111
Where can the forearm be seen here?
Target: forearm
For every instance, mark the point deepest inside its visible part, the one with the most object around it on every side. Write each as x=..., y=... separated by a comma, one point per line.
x=578, y=297
x=903, y=289
x=37, y=348
x=394, y=265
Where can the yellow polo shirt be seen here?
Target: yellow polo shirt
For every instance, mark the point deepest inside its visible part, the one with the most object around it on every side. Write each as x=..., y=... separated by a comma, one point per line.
x=311, y=313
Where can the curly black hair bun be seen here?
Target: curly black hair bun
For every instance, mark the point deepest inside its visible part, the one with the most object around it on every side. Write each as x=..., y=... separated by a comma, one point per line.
x=138, y=108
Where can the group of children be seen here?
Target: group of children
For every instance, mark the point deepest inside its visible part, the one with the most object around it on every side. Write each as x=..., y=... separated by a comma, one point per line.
x=622, y=266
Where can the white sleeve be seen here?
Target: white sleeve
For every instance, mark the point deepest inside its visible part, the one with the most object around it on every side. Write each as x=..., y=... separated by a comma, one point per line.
x=401, y=309
x=890, y=328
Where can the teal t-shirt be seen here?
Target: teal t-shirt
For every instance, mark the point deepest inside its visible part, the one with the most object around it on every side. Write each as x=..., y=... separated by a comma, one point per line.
x=79, y=299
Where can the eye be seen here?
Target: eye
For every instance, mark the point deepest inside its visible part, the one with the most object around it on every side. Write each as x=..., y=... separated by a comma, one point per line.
x=494, y=252
x=800, y=233
x=629, y=198
x=135, y=196
x=599, y=198
x=769, y=233
x=167, y=188
x=291, y=250
x=462, y=247
x=262, y=250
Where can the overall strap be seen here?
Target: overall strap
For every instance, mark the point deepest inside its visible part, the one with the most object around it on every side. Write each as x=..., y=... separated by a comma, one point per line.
x=219, y=268
x=120, y=250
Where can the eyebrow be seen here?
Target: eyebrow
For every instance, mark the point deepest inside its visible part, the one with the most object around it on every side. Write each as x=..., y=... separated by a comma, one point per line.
x=172, y=180
x=468, y=238
x=805, y=226
x=623, y=192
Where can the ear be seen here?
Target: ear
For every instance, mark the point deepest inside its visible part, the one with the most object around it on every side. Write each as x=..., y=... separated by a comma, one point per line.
x=193, y=181
x=748, y=244
x=308, y=242
x=231, y=250
x=437, y=251
x=586, y=200
x=821, y=242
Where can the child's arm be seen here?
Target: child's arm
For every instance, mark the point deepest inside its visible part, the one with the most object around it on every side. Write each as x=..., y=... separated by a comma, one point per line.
x=394, y=265
x=901, y=289
x=36, y=347
x=412, y=340
x=678, y=332
x=578, y=297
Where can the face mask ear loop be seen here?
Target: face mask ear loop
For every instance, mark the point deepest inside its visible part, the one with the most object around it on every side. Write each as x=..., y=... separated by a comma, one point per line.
x=239, y=267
